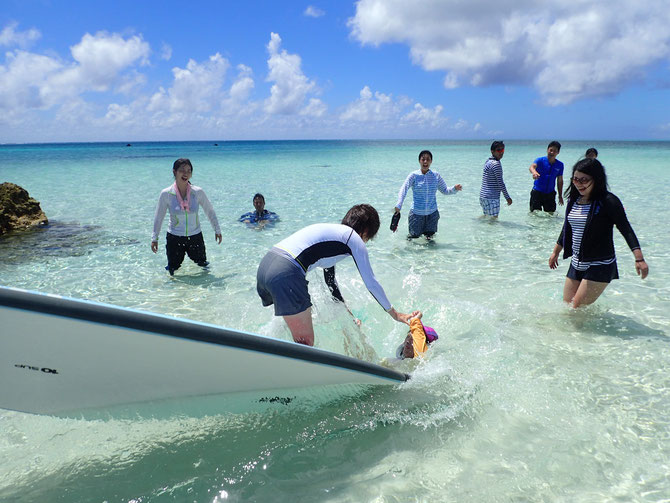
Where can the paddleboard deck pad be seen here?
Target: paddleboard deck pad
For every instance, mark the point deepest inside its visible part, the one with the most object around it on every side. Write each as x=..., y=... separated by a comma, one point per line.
x=60, y=355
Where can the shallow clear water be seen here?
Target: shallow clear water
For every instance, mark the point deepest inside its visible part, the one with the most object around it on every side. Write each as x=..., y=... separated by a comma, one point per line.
x=521, y=399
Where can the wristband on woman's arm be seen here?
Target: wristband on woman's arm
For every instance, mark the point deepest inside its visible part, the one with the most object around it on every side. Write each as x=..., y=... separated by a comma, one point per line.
x=639, y=260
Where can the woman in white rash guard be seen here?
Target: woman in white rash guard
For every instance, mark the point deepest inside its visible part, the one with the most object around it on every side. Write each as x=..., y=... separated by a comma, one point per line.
x=281, y=274
x=184, y=235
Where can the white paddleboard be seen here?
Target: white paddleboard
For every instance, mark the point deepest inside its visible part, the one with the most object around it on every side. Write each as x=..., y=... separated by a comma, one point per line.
x=59, y=355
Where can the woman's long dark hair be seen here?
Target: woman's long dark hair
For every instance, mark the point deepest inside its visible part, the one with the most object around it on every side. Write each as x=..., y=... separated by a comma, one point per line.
x=595, y=170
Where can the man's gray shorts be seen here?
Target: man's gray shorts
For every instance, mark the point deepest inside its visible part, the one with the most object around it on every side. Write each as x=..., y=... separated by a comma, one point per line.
x=282, y=283
x=423, y=224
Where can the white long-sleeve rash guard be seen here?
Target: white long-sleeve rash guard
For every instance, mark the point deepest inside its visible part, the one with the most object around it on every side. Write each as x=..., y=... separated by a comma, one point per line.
x=183, y=223
x=323, y=245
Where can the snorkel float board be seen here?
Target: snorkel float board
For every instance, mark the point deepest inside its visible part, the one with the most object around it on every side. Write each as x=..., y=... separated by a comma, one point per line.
x=60, y=355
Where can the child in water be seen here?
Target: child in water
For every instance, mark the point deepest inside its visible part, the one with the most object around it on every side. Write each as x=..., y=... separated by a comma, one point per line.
x=418, y=339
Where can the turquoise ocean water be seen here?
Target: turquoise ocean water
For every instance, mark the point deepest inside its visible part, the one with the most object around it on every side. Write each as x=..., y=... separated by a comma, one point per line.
x=521, y=399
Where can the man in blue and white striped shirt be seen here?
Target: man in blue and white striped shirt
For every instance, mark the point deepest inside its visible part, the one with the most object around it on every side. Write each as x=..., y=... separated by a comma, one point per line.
x=492, y=182
x=425, y=183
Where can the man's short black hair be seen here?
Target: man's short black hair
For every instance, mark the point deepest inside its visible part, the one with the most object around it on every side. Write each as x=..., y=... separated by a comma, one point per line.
x=425, y=152
x=259, y=195
x=554, y=144
x=497, y=145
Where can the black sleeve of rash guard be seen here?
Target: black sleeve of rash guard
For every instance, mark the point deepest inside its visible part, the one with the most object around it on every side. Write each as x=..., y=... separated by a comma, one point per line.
x=329, y=276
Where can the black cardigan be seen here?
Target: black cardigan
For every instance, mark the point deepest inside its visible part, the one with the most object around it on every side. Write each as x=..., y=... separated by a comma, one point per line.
x=597, y=241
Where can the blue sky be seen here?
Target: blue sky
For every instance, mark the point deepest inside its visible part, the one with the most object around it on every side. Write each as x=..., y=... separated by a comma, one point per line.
x=432, y=69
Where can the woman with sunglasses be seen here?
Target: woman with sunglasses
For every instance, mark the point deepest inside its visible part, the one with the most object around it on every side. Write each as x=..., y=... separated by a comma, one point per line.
x=587, y=235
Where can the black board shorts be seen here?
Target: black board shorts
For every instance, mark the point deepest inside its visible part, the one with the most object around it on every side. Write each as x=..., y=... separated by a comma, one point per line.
x=542, y=201
x=282, y=283
x=599, y=273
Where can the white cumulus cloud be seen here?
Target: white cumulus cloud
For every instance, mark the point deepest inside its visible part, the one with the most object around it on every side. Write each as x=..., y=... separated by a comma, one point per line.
x=9, y=36
x=35, y=81
x=200, y=98
x=196, y=88
x=243, y=85
x=102, y=56
x=119, y=114
x=371, y=107
x=131, y=82
x=565, y=50
x=376, y=109
x=315, y=108
x=422, y=115
x=166, y=52
x=312, y=11
x=22, y=79
x=99, y=61
x=291, y=87
x=101, y=89
x=461, y=124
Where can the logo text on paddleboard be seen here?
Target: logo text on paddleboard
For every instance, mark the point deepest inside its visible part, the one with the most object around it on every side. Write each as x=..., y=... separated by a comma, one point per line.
x=46, y=370
x=284, y=400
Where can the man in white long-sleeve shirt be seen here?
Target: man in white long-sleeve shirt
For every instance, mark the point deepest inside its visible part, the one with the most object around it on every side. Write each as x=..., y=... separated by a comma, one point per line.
x=423, y=216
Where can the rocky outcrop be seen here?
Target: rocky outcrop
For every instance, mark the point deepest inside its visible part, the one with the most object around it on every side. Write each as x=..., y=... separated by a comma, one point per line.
x=18, y=210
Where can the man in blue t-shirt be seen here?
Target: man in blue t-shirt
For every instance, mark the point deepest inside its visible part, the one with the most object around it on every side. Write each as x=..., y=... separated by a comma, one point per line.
x=547, y=172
